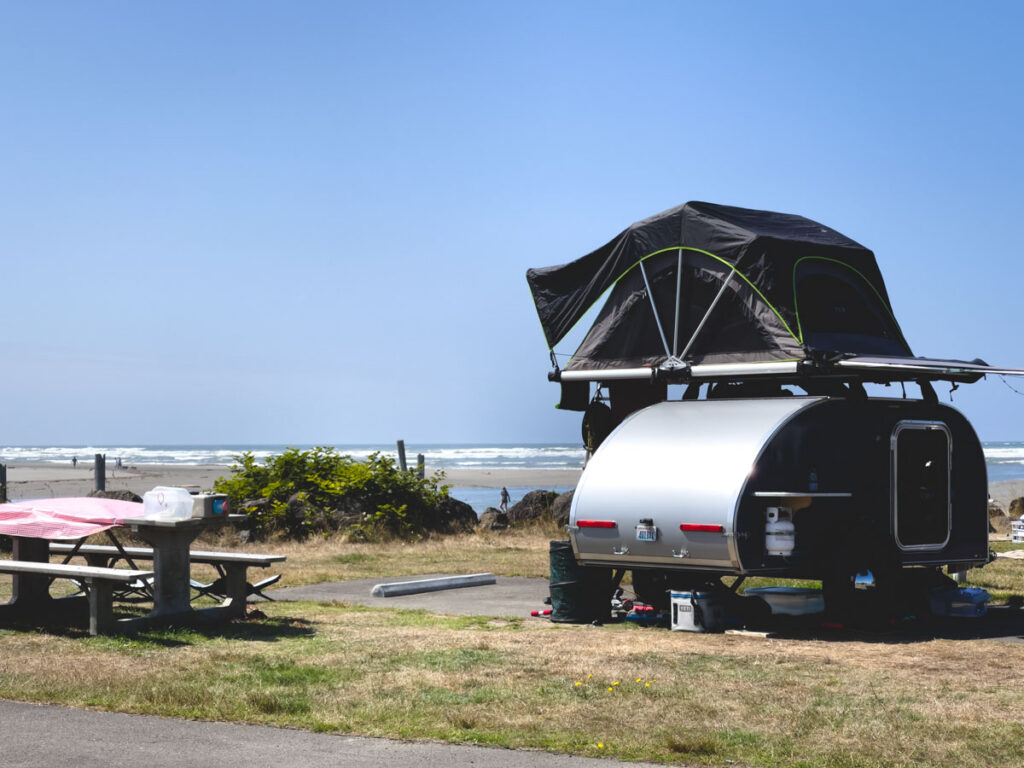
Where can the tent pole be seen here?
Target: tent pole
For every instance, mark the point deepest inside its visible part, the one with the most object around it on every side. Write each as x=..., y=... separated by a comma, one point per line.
x=707, y=314
x=654, y=309
x=679, y=282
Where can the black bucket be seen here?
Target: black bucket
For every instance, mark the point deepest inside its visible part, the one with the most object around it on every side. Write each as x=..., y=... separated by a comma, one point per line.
x=579, y=594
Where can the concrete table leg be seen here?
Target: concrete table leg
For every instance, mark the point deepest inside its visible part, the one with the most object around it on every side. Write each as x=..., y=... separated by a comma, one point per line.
x=31, y=591
x=171, y=591
x=101, y=606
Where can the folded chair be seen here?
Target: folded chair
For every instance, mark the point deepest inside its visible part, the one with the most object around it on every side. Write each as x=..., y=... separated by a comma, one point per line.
x=215, y=588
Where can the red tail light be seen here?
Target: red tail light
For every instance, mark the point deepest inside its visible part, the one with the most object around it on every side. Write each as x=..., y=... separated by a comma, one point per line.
x=696, y=528
x=596, y=524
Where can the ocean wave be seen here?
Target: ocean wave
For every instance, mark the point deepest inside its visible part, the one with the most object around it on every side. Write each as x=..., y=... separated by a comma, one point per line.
x=438, y=456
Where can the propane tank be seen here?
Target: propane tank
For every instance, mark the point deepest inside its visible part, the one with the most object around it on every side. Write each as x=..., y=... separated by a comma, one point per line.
x=779, y=532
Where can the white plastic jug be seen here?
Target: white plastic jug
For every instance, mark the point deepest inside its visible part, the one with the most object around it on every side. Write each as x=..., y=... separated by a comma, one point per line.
x=167, y=503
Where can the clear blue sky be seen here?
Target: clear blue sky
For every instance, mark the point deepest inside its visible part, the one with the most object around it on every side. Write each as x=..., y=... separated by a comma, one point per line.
x=310, y=222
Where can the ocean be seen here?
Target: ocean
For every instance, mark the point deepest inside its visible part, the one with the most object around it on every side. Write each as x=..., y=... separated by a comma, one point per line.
x=439, y=456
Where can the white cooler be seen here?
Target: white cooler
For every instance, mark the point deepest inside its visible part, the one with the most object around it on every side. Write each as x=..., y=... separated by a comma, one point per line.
x=695, y=612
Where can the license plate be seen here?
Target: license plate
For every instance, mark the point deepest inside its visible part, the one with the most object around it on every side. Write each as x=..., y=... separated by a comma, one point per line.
x=647, y=533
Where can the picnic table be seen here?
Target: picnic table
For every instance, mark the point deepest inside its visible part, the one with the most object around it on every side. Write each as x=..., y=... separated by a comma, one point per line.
x=40, y=526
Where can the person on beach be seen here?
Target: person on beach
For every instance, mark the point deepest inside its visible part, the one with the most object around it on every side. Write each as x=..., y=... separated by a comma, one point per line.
x=504, y=500
x=74, y=461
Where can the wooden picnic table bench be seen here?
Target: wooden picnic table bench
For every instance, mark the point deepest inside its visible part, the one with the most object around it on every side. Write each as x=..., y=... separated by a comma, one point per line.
x=231, y=586
x=99, y=584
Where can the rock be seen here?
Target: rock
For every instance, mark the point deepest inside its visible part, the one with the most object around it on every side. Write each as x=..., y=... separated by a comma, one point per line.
x=121, y=495
x=1017, y=508
x=998, y=522
x=560, y=508
x=533, y=506
x=493, y=520
x=298, y=508
x=457, y=515
x=255, y=505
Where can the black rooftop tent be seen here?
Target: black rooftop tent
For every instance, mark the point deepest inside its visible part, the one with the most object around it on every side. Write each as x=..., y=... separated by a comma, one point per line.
x=704, y=284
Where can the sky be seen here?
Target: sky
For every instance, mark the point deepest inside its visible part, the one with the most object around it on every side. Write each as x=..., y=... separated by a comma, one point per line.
x=298, y=223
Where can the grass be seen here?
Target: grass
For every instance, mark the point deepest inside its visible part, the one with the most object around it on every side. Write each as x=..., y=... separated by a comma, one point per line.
x=620, y=691
x=638, y=693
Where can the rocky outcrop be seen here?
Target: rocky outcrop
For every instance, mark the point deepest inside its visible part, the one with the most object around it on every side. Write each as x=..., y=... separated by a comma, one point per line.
x=493, y=520
x=121, y=495
x=998, y=521
x=458, y=515
x=535, y=505
x=1017, y=508
x=560, y=508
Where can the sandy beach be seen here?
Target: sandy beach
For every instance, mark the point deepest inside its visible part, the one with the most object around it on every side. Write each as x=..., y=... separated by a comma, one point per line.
x=36, y=481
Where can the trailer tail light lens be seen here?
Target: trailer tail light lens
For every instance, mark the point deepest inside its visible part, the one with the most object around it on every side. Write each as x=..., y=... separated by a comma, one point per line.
x=596, y=524
x=696, y=528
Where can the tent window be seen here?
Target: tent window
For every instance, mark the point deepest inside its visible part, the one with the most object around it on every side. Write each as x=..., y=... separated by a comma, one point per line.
x=830, y=304
x=837, y=309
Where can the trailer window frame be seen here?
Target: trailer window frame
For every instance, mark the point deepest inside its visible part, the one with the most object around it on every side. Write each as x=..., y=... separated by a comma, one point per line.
x=923, y=426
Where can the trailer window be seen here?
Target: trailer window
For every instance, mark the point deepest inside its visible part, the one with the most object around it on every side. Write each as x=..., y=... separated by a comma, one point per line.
x=921, y=503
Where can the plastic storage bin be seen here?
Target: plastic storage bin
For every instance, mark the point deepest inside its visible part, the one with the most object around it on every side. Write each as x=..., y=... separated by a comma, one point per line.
x=969, y=602
x=792, y=601
x=167, y=503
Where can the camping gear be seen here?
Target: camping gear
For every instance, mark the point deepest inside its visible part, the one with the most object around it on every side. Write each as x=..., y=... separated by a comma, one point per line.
x=790, y=601
x=209, y=505
x=1017, y=531
x=694, y=611
x=579, y=594
x=705, y=291
x=969, y=602
x=167, y=503
x=773, y=460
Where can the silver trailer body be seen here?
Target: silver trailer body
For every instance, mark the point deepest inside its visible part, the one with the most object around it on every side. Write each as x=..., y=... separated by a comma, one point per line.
x=675, y=463
x=694, y=485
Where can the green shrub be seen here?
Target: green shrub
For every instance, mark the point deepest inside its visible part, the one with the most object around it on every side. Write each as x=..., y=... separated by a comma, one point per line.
x=299, y=493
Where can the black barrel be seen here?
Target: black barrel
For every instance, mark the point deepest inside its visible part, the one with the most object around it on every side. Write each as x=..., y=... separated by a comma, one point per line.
x=579, y=594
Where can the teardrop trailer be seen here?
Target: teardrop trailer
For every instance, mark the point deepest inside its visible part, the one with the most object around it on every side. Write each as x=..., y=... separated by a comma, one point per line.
x=774, y=461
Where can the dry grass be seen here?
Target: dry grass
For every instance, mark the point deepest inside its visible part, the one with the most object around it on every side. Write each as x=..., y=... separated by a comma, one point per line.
x=674, y=697
x=504, y=553
x=679, y=698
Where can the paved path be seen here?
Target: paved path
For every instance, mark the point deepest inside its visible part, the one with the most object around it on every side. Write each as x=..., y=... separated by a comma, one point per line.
x=510, y=596
x=39, y=736
x=519, y=596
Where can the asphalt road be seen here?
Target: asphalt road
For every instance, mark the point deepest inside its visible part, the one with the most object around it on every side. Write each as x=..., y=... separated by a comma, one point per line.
x=42, y=736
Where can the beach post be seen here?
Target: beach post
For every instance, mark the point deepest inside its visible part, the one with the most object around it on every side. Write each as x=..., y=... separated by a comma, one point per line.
x=401, y=456
x=101, y=472
x=421, y=465
x=3, y=483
